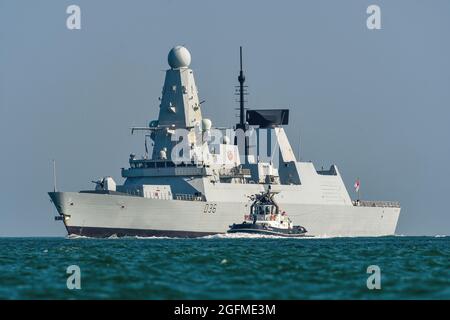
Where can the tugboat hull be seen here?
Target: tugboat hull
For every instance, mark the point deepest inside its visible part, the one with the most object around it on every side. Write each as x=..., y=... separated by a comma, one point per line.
x=267, y=230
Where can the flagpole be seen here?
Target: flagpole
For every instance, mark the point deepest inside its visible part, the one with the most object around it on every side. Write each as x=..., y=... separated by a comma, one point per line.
x=357, y=185
x=54, y=175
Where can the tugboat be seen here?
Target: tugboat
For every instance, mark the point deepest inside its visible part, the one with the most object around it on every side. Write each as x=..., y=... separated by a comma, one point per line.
x=266, y=218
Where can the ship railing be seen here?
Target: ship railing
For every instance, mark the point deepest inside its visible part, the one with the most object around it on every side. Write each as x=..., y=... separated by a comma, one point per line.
x=188, y=197
x=383, y=204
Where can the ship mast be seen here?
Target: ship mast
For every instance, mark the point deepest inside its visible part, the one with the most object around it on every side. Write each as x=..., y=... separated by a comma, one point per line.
x=241, y=80
x=242, y=122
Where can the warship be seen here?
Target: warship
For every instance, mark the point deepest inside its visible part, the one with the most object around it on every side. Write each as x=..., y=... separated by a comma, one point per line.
x=197, y=179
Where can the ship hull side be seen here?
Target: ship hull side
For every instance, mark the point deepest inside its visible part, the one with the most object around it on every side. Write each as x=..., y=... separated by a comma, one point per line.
x=103, y=215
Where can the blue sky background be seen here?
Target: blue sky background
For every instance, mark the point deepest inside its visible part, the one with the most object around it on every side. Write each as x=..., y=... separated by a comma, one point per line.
x=376, y=103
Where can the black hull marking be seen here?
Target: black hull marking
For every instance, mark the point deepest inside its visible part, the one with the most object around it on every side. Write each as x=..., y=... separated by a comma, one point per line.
x=96, y=232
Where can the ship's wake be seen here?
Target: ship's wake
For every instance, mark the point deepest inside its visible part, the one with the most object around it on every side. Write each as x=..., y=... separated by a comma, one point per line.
x=218, y=236
x=116, y=237
x=77, y=236
x=248, y=236
x=225, y=236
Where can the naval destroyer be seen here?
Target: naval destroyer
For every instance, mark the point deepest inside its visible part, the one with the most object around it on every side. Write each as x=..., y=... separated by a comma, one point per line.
x=198, y=179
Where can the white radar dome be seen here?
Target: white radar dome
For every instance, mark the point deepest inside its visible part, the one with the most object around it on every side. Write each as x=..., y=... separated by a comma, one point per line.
x=206, y=124
x=179, y=57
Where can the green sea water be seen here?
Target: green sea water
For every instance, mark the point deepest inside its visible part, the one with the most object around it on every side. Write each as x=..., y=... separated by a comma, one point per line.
x=225, y=267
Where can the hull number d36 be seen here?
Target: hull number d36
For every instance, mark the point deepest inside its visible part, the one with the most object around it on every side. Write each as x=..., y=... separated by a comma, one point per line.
x=210, y=208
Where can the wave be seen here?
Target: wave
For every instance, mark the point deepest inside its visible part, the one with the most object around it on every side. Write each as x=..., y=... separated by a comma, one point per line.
x=261, y=236
x=115, y=237
x=423, y=236
x=77, y=236
x=151, y=237
x=227, y=236
x=248, y=236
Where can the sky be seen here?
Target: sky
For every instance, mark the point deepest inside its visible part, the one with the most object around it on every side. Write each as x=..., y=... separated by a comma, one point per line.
x=373, y=102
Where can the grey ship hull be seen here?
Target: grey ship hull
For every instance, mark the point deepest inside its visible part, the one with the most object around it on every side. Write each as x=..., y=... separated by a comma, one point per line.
x=104, y=215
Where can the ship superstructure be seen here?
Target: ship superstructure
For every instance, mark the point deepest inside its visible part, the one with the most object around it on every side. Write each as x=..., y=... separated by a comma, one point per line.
x=198, y=178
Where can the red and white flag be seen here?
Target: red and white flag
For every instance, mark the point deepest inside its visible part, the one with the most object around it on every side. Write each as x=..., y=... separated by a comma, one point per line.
x=357, y=185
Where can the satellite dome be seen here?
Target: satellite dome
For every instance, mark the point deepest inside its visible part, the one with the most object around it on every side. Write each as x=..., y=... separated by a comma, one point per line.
x=206, y=124
x=179, y=57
